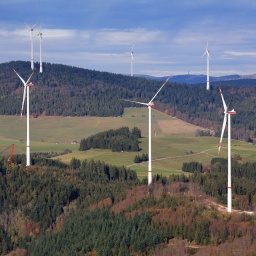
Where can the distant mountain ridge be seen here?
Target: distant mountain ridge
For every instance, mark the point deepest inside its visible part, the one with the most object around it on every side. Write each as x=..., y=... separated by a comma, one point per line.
x=198, y=79
x=191, y=79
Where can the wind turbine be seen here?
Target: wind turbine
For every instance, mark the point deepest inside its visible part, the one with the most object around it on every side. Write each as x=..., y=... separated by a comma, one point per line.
x=26, y=91
x=227, y=113
x=132, y=58
x=207, y=52
x=149, y=105
x=31, y=29
x=40, y=34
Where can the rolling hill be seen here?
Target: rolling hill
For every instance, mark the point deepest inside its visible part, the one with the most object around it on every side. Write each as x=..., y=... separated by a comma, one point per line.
x=92, y=203
x=69, y=91
x=173, y=143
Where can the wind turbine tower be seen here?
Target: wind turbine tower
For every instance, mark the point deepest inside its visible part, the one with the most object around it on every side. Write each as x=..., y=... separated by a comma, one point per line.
x=132, y=58
x=227, y=113
x=207, y=53
x=31, y=29
x=26, y=92
x=149, y=105
x=40, y=34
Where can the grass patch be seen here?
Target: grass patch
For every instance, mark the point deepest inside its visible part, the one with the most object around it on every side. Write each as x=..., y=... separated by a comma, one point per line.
x=174, y=143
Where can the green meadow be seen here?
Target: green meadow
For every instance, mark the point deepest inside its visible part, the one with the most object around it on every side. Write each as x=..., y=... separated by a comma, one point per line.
x=173, y=141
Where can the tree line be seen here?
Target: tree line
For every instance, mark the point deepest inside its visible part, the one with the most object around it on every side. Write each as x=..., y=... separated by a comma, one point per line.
x=140, y=158
x=192, y=167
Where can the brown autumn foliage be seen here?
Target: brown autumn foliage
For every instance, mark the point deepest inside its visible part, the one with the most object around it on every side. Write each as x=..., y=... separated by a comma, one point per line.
x=243, y=246
x=176, y=246
x=18, y=252
x=237, y=228
x=107, y=202
x=134, y=195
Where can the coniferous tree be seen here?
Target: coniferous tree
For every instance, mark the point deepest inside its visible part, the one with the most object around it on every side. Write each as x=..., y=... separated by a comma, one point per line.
x=118, y=140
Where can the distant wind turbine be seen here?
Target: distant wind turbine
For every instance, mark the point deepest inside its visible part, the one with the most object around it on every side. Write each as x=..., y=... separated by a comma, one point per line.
x=40, y=34
x=227, y=113
x=207, y=52
x=26, y=92
x=132, y=58
x=149, y=105
x=31, y=29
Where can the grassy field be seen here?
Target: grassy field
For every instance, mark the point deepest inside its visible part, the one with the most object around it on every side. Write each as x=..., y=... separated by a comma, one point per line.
x=173, y=141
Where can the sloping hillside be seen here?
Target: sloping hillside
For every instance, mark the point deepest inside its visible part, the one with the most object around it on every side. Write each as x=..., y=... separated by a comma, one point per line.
x=92, y=208
x=70, y=91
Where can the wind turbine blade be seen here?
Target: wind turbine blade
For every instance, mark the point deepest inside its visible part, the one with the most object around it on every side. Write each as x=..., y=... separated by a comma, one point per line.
x=160, y=89
x=132, y=56
x=27, y=26
x=24, y=83
x=222, y=131
x=225, y=118
x=229, y=104
x=23, y=100
x=29, y=78
x=203, y=54
x=223, y=101
x=136, y=102
x=40, y=34
x=206, y=51
x=133, y=46
x=25, y=89
x=30, y=28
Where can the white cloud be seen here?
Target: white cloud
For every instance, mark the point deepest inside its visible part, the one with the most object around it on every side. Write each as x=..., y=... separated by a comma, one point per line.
x=13, y=33
x=177, y=45
x=59, y=33
x=240, y=54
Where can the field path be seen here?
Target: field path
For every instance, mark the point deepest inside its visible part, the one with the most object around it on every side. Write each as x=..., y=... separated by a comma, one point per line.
x=173, y=157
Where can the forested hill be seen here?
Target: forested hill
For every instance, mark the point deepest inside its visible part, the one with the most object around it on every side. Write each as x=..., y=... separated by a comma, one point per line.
x=71, y=91
x=92, y=208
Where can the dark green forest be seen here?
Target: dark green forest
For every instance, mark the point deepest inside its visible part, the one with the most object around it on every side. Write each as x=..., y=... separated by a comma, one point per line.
x=92, y=208
x=118, y=140
x=70, y=91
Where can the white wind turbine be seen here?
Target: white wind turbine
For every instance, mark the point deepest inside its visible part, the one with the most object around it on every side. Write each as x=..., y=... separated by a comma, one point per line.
x=40, y=34
x=227, y=113
x=207, y=52
x=132, y=58
x=31, y=29
x=149, y=105
x=26, y=92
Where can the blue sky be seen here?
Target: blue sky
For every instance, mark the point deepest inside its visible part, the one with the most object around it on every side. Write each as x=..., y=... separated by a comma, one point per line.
x=170, y=35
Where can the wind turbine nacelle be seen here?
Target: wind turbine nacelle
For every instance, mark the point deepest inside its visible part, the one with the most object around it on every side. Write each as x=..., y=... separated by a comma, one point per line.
x=232, y=112
x=30, y=84
x=151, y=104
